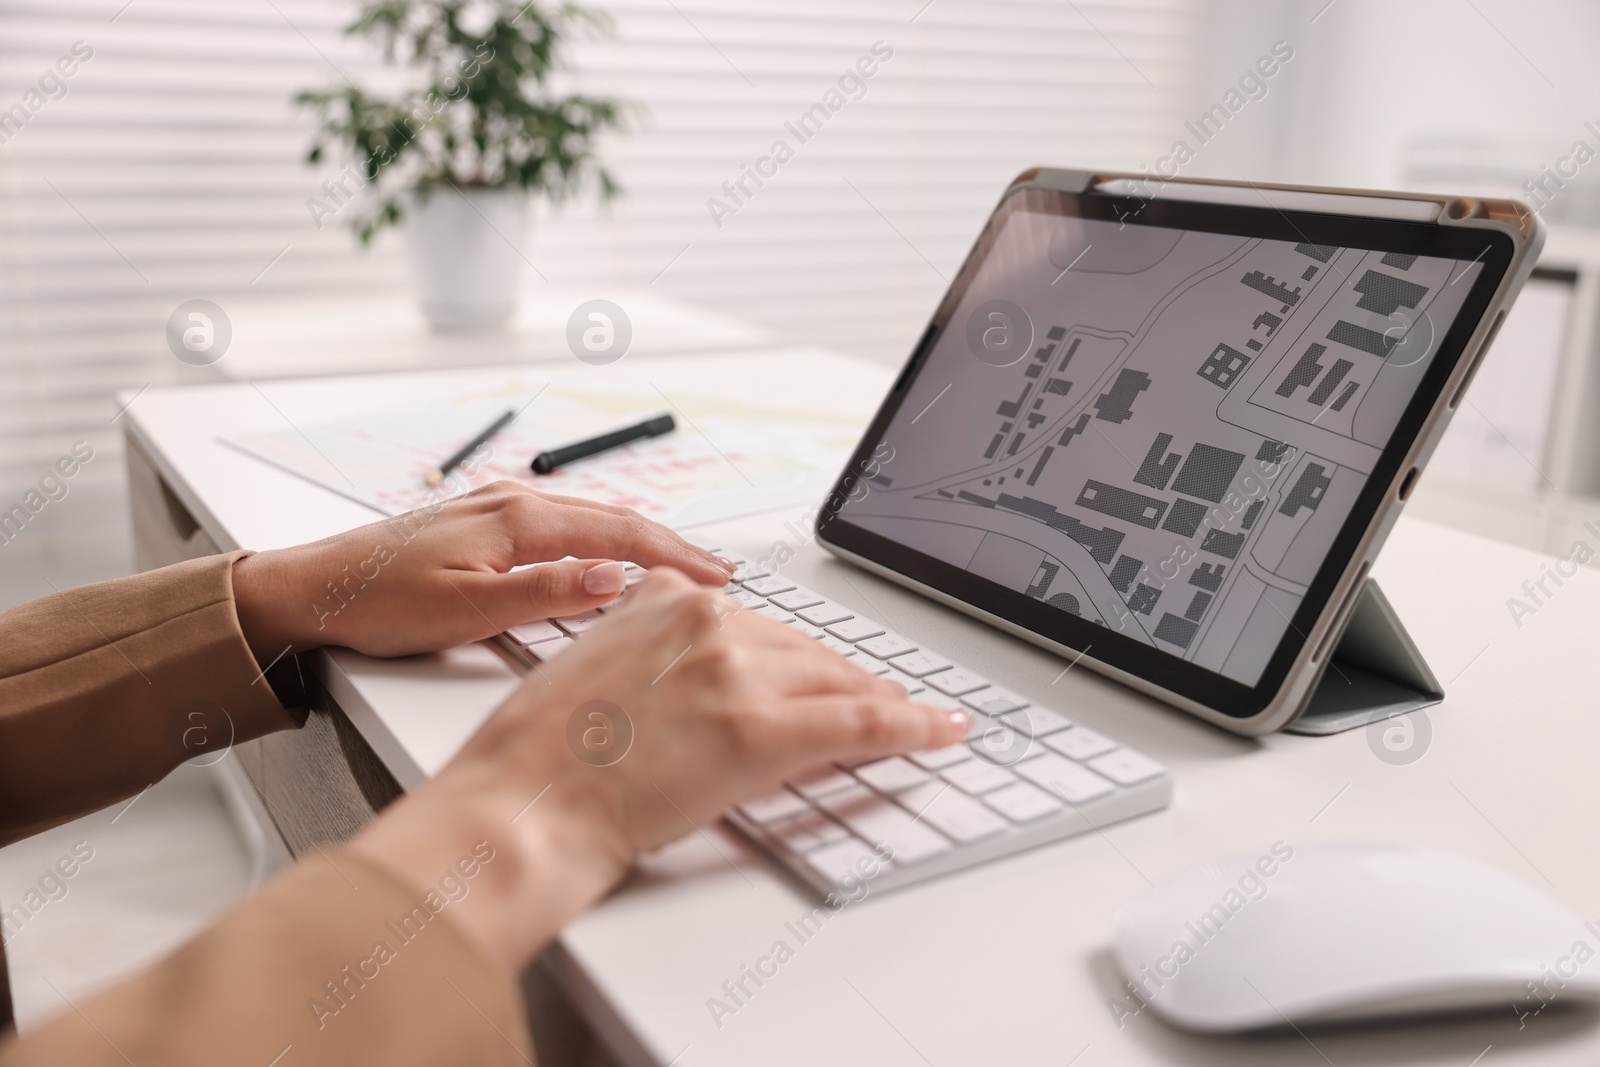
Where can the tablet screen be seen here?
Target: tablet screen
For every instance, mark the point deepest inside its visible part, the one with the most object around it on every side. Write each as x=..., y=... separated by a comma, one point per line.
x=1161, y=431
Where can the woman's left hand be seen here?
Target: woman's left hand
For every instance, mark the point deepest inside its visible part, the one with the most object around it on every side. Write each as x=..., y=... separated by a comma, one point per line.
x=442, y=576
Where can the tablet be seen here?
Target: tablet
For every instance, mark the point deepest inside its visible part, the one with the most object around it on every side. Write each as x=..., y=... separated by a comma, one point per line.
x=1163, y=430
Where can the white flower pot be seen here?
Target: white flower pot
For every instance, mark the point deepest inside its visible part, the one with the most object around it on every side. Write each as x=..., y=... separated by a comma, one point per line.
x=464, y=255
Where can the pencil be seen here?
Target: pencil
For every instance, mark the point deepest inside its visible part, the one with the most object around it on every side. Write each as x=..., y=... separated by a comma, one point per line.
x=439, y=473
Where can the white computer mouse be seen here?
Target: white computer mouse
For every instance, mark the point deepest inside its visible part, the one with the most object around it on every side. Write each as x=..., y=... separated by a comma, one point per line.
x=1323, y=932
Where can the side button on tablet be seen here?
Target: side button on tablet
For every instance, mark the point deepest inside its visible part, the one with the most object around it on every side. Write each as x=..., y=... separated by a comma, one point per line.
x=1410, y=480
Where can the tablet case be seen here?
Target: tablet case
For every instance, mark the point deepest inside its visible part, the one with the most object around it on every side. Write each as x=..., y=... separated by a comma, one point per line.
x=1375, y=672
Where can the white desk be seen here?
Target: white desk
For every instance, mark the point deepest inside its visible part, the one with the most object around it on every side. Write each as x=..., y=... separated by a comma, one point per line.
x=1007, y=963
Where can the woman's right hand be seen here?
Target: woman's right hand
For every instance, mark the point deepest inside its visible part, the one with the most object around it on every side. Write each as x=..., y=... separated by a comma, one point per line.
x=722, y=705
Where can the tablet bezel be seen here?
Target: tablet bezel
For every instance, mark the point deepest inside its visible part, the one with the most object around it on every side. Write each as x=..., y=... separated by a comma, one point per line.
x=1495, y=249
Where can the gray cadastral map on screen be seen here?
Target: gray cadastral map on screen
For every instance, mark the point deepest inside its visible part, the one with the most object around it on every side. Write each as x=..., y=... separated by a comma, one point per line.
x=1175, y=457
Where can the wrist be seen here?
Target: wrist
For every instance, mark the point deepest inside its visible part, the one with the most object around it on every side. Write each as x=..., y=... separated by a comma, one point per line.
x=550, y=862
x=274, y=613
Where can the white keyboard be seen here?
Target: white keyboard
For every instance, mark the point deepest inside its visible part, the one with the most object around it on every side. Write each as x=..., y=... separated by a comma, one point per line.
x=1025, y=776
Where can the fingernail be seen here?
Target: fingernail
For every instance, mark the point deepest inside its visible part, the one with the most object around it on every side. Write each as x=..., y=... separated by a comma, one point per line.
x=960, y=718
x=604, y=579
x=727, y=564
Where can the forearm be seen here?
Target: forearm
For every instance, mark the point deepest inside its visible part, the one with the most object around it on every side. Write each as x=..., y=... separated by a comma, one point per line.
x=338, y=960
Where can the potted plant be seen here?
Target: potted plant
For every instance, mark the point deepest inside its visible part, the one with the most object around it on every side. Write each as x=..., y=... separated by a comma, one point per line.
x=459, y=150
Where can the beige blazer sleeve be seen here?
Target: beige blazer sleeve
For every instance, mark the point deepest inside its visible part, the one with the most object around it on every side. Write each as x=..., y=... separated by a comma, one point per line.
x=335, y=962
x=106, y=688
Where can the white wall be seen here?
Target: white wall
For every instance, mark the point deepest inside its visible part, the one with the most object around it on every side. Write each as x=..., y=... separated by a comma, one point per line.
x=1379, y=85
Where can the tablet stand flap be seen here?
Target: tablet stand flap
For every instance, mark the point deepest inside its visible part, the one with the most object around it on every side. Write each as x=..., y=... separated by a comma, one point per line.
x=1375, y=672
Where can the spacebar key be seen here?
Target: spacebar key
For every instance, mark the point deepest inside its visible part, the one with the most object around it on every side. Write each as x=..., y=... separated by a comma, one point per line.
x=878, y=819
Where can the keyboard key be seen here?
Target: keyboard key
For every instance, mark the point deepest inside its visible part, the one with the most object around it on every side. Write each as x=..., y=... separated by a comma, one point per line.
x=577, y=624
x=772, y=611
x=1065, y=778
x=768, y=585
x=847, y=858
x=977, y=725
x=994, y=701
x=887, y=645
x=891, y=775
x=807, y=831
x=999, y=743
x=806, y=628
x=928, y=697
x=854, y=630
x=747, y=571
x=853, y=800
x=833, y=644
x=776, y=805
x=935, y=759
x=822, y=783
x=1080, y=743
x=545, y=651
x=977, y=777
x=746, y=599
x=871, y=666
x=951, y=812
x=954, y=682
x=919, y=664
x=878, y=819
x=1022, y=803
x=531, y=633
x=1126, y=767
x=796, y=599
x=633, y=574
x=824, y=614
x=1035, y=722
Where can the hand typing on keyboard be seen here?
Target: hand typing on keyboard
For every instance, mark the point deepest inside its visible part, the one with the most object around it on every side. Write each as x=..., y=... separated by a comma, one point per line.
x=1025, y=775
x=442, y=575
x=722, y=704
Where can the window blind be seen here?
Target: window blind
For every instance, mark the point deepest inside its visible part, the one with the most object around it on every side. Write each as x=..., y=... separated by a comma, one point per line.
x=170, y=167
